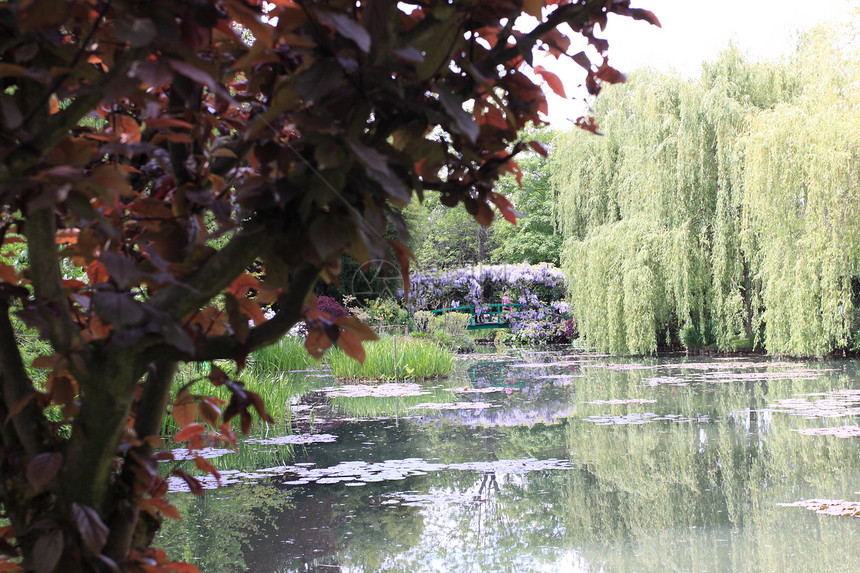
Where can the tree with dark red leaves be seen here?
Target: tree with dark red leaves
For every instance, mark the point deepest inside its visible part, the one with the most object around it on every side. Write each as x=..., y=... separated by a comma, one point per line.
x=152, y=152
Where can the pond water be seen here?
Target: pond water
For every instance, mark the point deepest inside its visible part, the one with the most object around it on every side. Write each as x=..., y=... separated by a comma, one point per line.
x=545, y=461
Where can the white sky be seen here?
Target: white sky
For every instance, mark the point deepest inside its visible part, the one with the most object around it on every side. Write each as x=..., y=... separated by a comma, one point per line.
x=695, y=31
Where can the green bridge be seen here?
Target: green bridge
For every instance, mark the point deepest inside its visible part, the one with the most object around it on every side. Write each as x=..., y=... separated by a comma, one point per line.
x=491, y=316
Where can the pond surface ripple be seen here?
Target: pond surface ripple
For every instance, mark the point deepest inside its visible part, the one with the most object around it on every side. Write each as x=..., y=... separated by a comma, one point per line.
x=547, y=461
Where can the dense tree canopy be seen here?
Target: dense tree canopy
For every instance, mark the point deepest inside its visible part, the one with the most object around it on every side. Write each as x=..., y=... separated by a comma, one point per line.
x=152, y=153
x=443, y=238
x=723, y=208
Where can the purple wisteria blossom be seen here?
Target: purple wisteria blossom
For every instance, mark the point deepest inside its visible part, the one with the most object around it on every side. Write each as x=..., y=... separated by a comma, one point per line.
x=538, y=288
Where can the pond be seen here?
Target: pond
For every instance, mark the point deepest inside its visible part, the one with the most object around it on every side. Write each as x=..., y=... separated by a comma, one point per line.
x=546, y=461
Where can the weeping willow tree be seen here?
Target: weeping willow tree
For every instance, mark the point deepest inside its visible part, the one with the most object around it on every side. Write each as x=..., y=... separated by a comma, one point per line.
x=723, y=208
x=801, y=205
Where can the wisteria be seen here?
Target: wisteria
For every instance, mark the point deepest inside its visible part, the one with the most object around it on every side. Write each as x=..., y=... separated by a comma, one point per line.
x=539, y=290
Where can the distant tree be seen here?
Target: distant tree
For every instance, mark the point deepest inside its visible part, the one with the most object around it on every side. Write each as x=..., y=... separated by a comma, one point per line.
x=723, y=207
x=152, y=152
x=535, y=238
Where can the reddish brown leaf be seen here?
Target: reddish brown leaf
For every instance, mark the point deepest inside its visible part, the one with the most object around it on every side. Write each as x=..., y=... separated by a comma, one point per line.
x=610, y=75
x=201, y=464
x=217, y=376
x=192, y=482
x=8, y=273
x=483, y=214
x=165, y=507
x=581, y=59
x=62, y=388
x=356, y=327
x=96, y=273
x=67, y=236
x=539, y=148
x=588, y=124
x=184, y=409
x=127, y=128
x=351, y=346
x=93, y=531
x=242, y=284
x=557, y=42
x=210, y=410
x=189, y=432
x=43, y=362
x=163, y=456
x=47, y=551
x=551, y=79
x=647, y=15
x=42, y=468
x=404, y=254
x=507, y=210
x=260, y=407
x=317, y=343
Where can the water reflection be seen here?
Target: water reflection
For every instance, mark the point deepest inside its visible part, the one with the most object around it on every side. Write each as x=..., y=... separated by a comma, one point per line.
x=584, y=465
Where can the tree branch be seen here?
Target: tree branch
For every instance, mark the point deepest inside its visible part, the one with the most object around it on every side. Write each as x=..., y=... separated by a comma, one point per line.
x=72, y=63
x=567, y=14
x=212, y=276
x=47, y=280
x=227, y=346
x=150, y=414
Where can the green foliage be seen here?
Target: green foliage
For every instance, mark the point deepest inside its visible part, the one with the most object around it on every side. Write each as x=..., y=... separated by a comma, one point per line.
x=416, y=359
x=381, y=313
x=448, y=329
x=446, y=238
x=729, y=201
x=534, y=239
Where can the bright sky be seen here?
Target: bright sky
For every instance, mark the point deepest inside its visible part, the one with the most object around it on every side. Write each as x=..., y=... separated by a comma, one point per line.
x=695, y=31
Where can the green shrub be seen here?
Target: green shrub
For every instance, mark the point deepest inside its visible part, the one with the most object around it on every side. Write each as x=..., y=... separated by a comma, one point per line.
x=449, y=329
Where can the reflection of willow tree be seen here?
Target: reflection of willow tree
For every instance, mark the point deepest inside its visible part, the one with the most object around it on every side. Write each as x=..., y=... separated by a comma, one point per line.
x=381, y=533
x=682, y=495
x=218, y=531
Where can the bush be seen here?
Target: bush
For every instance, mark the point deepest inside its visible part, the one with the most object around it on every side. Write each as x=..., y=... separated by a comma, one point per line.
x=382, y=312
x=449, y=329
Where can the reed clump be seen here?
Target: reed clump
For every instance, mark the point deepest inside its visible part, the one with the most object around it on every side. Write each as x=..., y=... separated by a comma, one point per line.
x=417, y=359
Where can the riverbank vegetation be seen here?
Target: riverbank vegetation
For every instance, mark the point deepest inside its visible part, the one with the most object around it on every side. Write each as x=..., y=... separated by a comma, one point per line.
x=394, y=358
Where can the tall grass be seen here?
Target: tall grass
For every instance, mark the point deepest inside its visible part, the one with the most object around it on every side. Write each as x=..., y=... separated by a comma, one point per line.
x=270, y=378
x=416, y=359
x=288, y=354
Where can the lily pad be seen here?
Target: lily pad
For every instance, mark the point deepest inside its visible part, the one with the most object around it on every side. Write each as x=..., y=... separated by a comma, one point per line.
x=828, y=506
x=617, y=402
x=389, y=390
x=839, y=432
x=485, y=390
x=302, y=439
x=452, y=406
x=837, y=404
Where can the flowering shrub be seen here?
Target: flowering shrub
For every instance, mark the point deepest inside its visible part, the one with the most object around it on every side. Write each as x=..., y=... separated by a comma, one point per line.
x=331, y=307
x=538, y=288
